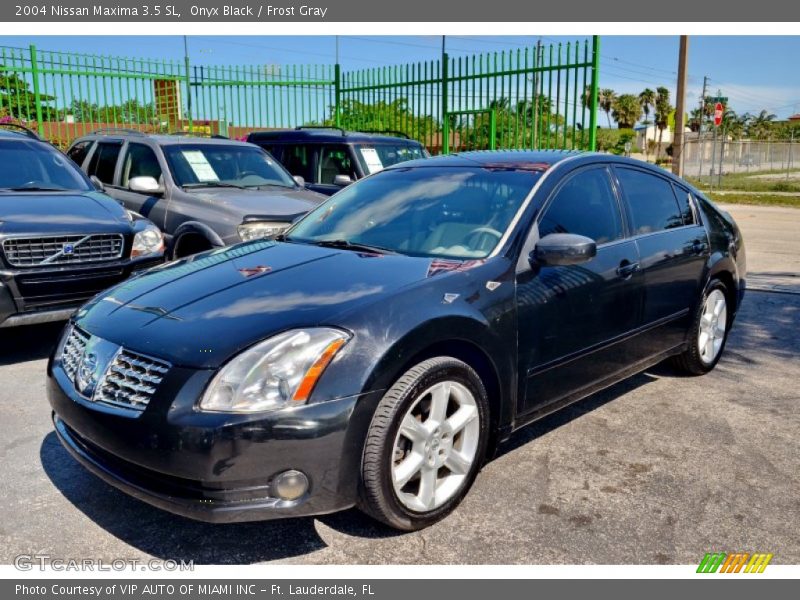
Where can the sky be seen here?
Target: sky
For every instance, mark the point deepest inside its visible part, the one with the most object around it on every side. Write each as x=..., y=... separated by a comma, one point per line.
x=754, y=72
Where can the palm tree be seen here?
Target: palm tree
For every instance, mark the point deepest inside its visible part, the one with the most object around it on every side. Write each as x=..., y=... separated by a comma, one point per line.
x=647, y=98
x=663, y=111
x=626, y=110
x=761, y=124
x=605, y=101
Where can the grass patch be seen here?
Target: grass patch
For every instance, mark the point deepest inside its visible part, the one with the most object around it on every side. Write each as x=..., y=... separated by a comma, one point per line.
x=758, y=199
x=748, y=183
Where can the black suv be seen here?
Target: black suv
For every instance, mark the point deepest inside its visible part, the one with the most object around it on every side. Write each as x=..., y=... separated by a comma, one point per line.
x=329, y=158
x=62, y=240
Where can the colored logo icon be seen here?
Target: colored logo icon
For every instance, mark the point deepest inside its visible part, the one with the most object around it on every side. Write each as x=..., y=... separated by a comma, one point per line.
x=737, y=562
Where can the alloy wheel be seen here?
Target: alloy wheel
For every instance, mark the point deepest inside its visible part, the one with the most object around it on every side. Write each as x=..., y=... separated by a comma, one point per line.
x=713, y=323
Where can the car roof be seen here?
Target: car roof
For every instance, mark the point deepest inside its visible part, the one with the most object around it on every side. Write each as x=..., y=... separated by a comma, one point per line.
x=535, y=160
x=329, y=135
x=161, y=139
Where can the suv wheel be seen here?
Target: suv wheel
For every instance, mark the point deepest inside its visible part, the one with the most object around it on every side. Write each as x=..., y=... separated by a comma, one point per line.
x=425, y=444
x=188, y=244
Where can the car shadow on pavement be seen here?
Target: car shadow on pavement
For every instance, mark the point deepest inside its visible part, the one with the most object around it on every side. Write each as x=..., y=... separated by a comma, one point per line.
x=29, y=342
x=167, y=536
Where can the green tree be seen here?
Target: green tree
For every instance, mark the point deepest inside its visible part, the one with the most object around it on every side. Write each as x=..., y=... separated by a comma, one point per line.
x=761, y=125
x=385, y=116
x=626, y=110
x=605, y=101
x=647, y=99
x=18, y=100
x=663, y=111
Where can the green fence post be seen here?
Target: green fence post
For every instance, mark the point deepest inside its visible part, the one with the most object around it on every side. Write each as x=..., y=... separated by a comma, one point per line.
x=445, y=117
x=493, y=130
x=188, y=92
x=595, y=85
x=37, y=96
x=337, y=95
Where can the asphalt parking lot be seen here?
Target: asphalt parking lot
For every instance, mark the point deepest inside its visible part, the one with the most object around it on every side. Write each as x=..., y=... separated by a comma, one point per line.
x=658, y=469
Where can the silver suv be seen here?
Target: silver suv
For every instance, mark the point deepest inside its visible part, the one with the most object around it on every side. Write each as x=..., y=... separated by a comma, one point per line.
x=203, y=193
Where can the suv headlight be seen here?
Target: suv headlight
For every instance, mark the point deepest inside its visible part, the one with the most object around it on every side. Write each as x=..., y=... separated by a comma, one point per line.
x=255, y=230
x=280, y=371
x=148, y=241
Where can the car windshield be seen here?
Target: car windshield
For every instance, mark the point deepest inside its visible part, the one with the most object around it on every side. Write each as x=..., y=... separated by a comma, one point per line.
x=225, y=165
x=375, y=157
x=451, y=212
x=27, y=165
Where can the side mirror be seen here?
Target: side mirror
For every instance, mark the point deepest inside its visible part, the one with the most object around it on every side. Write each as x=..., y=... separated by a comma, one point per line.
x=299, y=180
x=558, y=249
x=342, y=180
x=145, y=185
x=99, y=186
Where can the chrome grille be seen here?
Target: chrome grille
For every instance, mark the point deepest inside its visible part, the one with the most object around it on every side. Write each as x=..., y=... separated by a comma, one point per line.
x=130, y=380
x=64, y=249
x=73, y=351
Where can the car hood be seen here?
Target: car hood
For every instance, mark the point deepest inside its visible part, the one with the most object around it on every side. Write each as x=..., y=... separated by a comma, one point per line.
x=61, y=212
x=200, y=311
x=266, y=202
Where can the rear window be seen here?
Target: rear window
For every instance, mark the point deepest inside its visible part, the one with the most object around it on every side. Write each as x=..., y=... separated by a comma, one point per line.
x=651, y=200
x=79, y=151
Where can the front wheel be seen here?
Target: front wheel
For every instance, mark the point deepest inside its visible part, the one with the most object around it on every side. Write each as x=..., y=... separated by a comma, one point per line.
x=425, y=444
x=709, y=332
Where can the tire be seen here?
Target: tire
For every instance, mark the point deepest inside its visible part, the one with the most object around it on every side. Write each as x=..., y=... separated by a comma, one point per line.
x=695, y=360
x=458, y=440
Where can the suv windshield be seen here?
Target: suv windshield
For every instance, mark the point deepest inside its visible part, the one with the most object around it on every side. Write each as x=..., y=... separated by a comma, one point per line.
x=451, y=212
x=27, y=165
x=225, y=165
x=375, y=157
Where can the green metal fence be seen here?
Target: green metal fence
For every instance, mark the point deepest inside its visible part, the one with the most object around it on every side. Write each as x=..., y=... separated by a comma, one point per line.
x=544, y=96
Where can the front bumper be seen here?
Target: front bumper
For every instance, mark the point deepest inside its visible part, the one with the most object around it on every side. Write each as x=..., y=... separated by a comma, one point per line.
x=215, y=467
x=41, y=295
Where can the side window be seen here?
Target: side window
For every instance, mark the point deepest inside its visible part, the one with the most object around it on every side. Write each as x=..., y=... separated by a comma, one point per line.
x=299, y=160
x=333, y=161
x=585, y=205
x=651, y=200
x=79, y=151
x=685, y=202
x=140, y=161
x=104, y=160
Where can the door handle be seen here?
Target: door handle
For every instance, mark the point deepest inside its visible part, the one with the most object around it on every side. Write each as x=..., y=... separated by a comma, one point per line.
x=698, y=246
x=626, y=269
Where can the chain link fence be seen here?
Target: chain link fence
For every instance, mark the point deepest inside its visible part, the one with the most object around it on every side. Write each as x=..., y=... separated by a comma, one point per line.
x=740, y=164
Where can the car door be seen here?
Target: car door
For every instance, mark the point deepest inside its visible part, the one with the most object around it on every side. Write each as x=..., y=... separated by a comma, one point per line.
x=299, y=160
x=575, y=321
x=333, y=160
x=673, y=248
x=141, y=160
x=103, y=163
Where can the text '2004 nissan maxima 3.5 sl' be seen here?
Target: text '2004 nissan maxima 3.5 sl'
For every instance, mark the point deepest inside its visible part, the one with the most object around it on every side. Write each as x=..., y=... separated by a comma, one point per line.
x=377, y=352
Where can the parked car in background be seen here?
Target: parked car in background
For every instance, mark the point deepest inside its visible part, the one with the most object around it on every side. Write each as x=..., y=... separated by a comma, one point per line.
x=377, y=353
x=203, y=192
x=62, y=240
x=329, y=158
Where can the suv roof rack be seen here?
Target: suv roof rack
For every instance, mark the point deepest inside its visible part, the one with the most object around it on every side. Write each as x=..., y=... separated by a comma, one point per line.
x=21, y=128
x=301, y=127
x=393, y=132
x=112, y=130
x=213, y=136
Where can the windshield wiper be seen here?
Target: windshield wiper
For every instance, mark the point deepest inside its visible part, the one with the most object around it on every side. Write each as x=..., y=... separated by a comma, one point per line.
x=279, y=185
x=208, y=184
x=348, y=245
x=33, y=188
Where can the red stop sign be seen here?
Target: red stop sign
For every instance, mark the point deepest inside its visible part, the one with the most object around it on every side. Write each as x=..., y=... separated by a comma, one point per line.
x=718, y=111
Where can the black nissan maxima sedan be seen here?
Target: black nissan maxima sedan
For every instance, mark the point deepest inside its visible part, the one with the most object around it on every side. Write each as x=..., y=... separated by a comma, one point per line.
x=376, y=353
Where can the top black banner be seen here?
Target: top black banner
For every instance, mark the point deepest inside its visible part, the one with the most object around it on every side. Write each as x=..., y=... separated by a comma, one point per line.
x=338, y=11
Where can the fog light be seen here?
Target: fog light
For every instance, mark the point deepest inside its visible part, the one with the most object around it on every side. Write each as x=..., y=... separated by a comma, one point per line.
x=290, y=485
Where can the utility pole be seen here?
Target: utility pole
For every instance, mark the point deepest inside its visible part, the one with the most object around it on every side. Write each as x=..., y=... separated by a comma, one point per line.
x=680, y=109
x=700, y=146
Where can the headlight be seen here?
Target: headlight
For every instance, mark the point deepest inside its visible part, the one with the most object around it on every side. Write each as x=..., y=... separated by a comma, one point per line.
x=278, y=372
x=147, y=241
x=255, y=230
